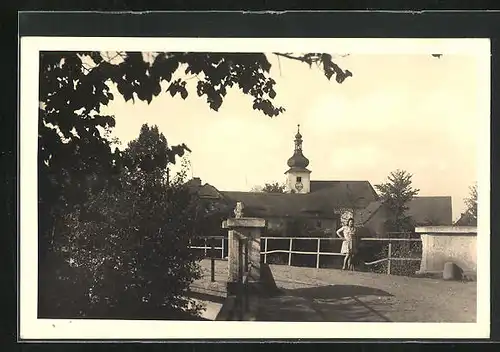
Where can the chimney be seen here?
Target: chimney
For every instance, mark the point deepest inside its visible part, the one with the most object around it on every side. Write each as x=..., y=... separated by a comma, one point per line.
x=196, y=181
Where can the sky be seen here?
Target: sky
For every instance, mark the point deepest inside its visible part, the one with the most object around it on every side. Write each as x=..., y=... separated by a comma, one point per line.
x=413, y=112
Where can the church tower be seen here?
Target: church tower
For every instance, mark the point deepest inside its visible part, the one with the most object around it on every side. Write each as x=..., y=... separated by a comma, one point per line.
x=298, y=177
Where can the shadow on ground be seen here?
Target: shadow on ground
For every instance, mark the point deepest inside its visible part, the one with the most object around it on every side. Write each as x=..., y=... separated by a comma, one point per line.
x=335, y=303
x=337, y=291
x=206, y=297
x=269, y=287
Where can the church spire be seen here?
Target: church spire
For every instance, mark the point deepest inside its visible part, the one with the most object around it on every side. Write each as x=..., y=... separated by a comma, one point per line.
x=298, y=178
x=298, y=140
x=298, y=160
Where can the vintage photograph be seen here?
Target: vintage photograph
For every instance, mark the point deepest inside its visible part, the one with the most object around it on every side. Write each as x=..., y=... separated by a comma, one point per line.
x=263, y=186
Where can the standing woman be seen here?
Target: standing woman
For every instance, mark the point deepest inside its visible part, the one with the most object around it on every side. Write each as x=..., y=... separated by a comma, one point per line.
x=347, y=233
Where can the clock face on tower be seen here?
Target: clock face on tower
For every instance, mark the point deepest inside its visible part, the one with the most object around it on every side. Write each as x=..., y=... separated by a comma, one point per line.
x=299, y=186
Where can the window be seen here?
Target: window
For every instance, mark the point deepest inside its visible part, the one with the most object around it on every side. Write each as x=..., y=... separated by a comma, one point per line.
x=299, y=179
x=318, y=223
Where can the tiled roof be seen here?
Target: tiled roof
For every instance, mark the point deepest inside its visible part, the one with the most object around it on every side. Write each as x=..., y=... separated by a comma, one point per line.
x=436, y=210
x=335, y=194
x=360, y=188
x=209, y=191
x=261, y=204
x=320, y=203
x=325, y=196
x=365, y=214
x=424, y=210
x=466, y=220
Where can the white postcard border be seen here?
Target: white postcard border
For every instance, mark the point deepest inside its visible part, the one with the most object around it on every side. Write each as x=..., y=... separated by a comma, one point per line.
x=79, y=329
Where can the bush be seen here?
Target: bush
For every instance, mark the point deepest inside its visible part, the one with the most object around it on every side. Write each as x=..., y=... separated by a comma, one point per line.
x=277, y=258
x=125, y=253
x=399, y=249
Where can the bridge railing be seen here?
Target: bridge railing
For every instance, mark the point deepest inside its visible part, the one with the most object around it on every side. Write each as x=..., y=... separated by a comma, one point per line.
x=318, y=252
x=220, y=247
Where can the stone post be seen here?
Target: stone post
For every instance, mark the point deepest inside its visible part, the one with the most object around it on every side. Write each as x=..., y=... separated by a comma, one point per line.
x=233, y=256
x=243, y=231
x=254, y=257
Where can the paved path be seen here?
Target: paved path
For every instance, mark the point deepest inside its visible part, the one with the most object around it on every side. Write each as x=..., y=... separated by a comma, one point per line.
x=310, y=294
x=210, y=295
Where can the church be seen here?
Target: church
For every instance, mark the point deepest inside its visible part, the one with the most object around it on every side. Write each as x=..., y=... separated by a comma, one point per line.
x=317, y=208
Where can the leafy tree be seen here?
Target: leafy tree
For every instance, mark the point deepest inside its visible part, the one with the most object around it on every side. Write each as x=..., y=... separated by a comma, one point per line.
x=395, y=194
x=127, y=245
x=75, y=155
x=78, y=168
x=73, y=134
x=470, y=215
x=274, y=187
x=211, y=214
x=150, y=151
x=256, y=189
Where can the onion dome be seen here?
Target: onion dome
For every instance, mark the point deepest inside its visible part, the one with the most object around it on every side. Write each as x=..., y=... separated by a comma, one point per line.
x=298, y=160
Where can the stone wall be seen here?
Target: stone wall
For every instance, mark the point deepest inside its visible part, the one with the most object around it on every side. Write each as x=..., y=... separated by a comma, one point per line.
x=441, y=244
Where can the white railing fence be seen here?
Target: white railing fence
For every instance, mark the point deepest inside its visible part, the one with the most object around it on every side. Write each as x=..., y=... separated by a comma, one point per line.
x=318, y=253
x=390, y=258
x=221, y=249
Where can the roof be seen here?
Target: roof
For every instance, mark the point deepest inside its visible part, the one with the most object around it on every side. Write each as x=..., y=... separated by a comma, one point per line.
x=346, y=193
x=206, y=191
x=365, y=214
x=321, y=203
x=298, y=160
x=194, y=184
x=436, y=210
x=209, y=191
x=423, y=210
x=364, y=187
x=466, y=219
x=325, y=197
x=261, y=204
x=299, y=169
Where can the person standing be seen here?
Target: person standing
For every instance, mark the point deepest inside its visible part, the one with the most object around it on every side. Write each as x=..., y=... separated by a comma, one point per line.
x=348, y=233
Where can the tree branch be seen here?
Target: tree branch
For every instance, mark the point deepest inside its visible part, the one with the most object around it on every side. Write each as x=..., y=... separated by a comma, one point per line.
x=297, y=58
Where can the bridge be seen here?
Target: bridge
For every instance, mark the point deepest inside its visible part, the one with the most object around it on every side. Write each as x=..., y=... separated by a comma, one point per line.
x=246, y=287
x=331, y=295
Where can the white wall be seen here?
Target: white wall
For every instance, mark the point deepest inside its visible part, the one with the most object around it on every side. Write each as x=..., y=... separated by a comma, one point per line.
x=291, y=179
x=441, y=244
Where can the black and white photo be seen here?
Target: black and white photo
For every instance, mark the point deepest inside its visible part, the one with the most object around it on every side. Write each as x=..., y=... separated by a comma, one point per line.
x=338, y=183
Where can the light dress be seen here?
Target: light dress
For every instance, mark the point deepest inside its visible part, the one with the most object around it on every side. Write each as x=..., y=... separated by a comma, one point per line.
x=347, y=244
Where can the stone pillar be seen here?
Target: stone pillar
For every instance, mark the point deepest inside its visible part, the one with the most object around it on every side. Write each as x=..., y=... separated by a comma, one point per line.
x=254, y=257
x=243, y=231
x=233, y=257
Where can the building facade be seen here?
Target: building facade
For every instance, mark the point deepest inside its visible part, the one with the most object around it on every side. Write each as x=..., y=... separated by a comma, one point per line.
x=317, y=208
